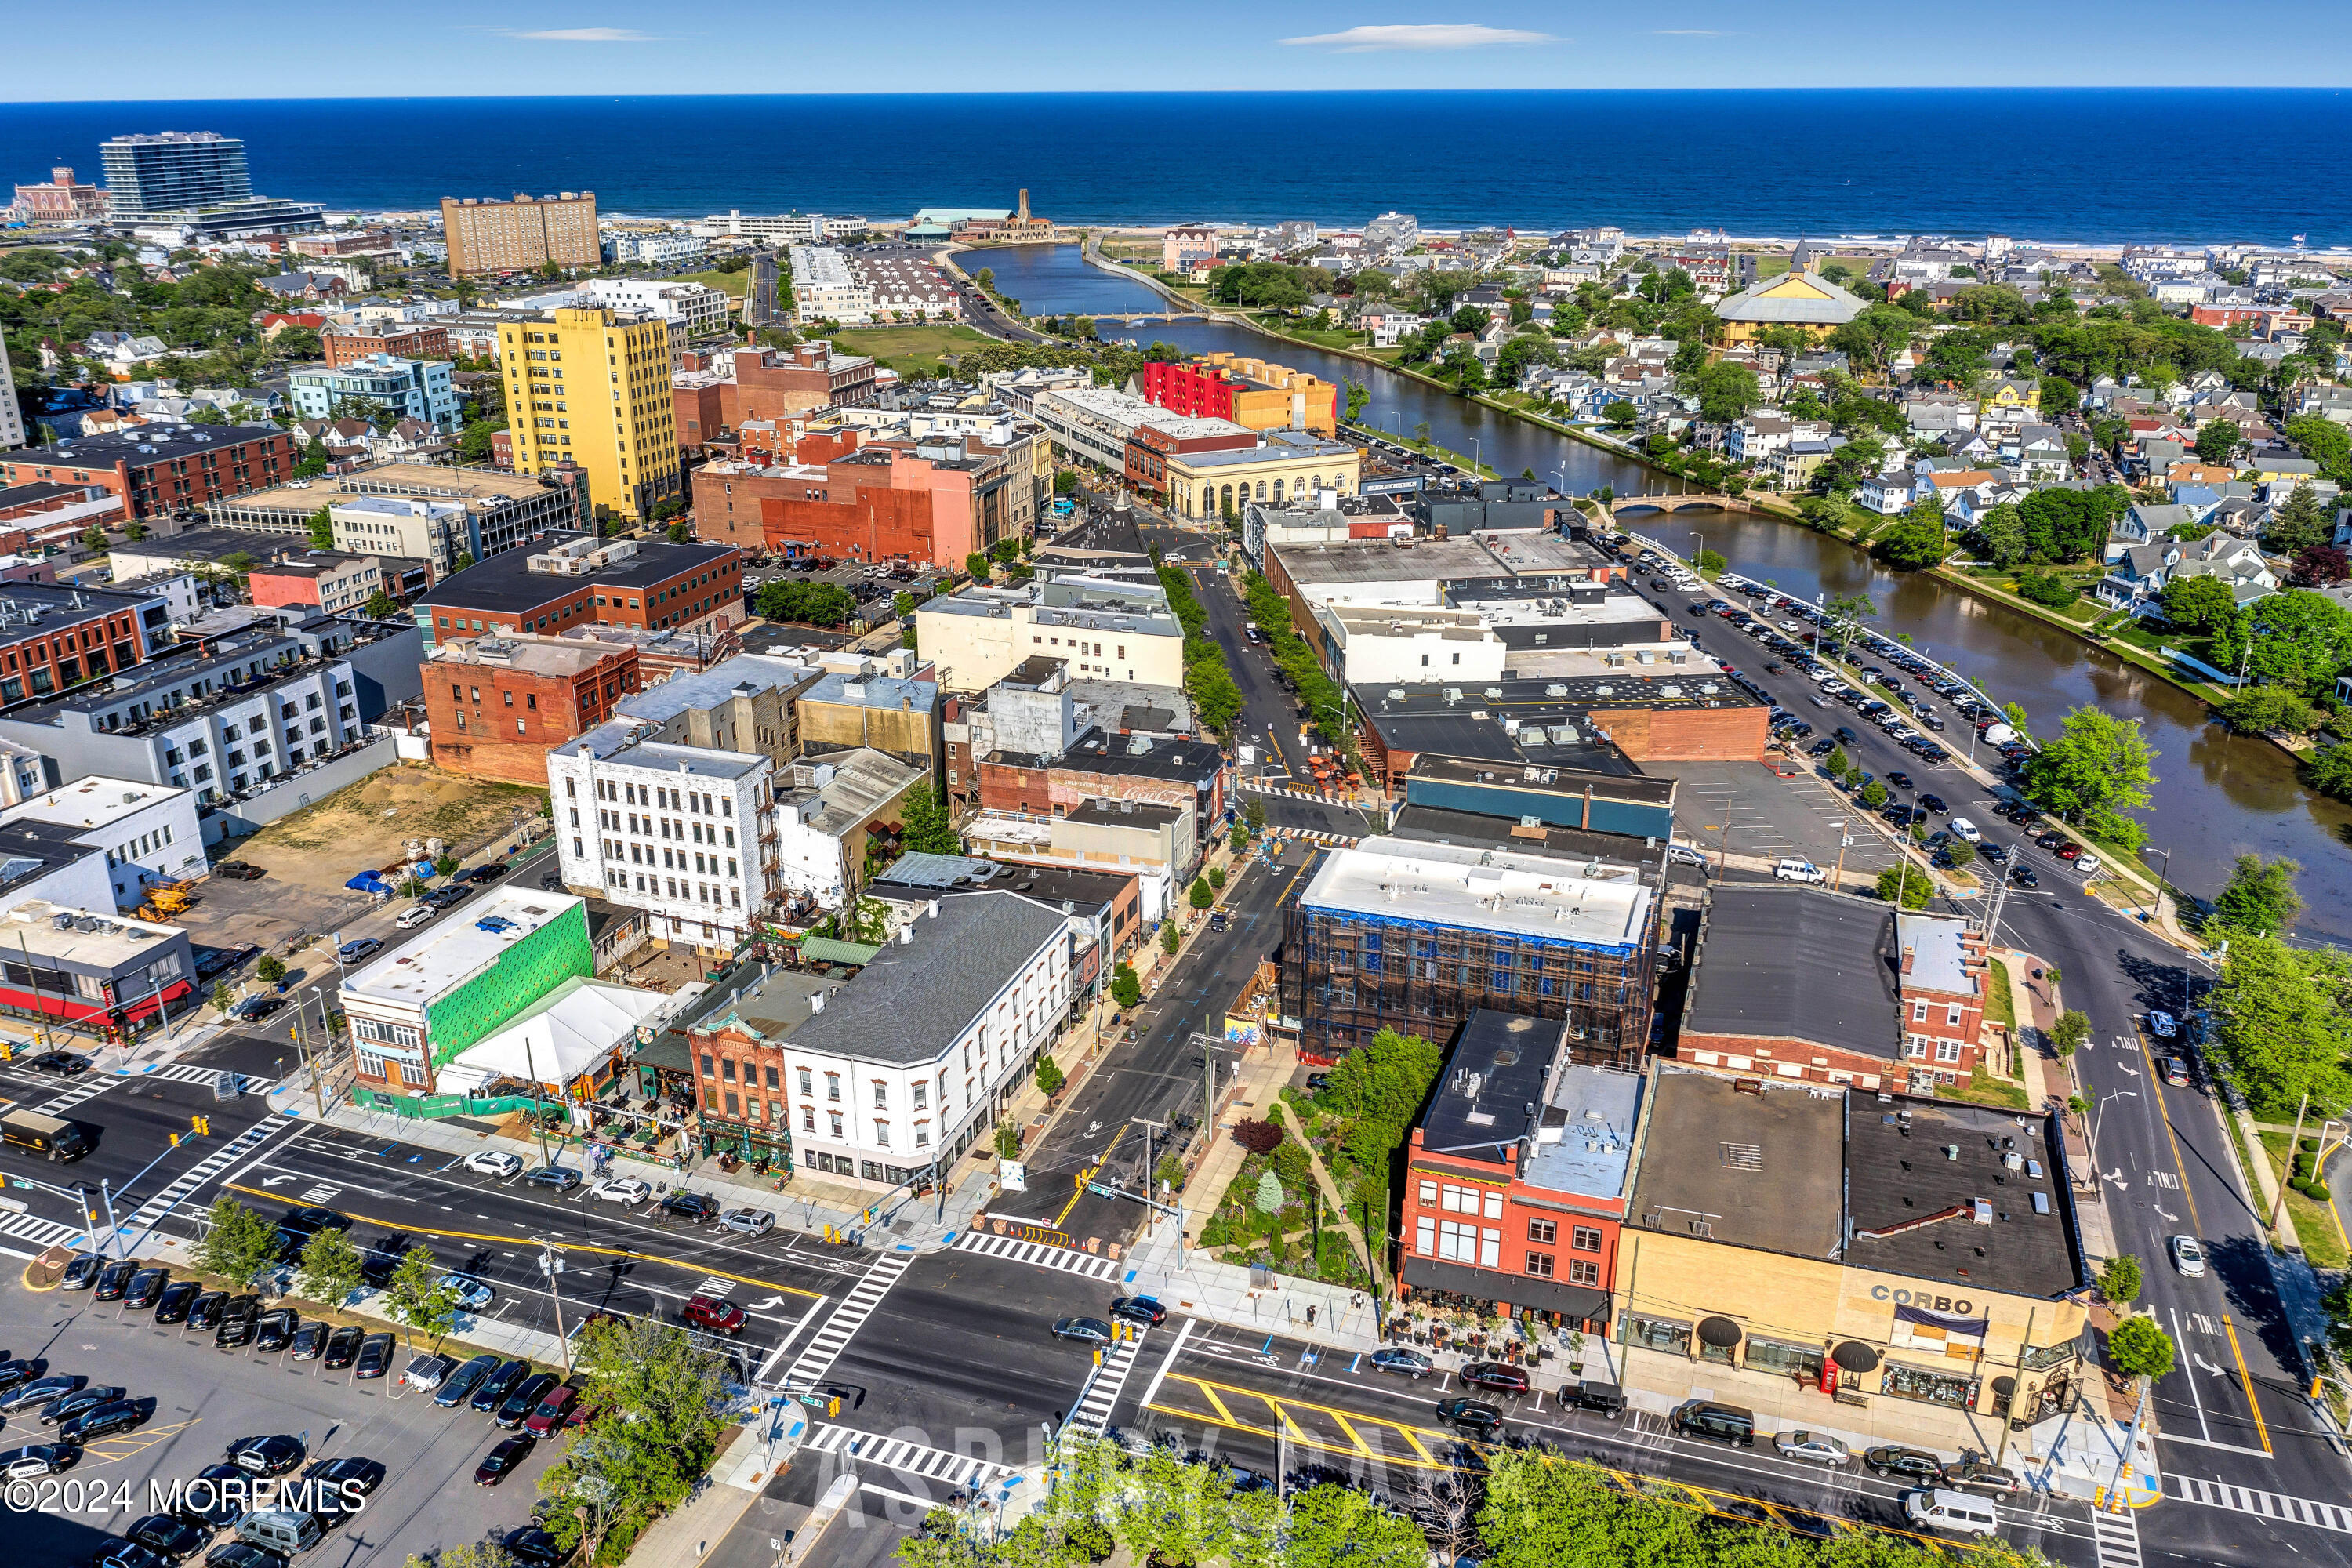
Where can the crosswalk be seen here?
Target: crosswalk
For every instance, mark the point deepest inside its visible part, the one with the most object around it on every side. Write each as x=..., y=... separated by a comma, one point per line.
x=817, y=1358
x=184, y=1072
x=908, y=1458
x=1315, y=836
x=1100, y=1395
x=202, y=1171
x=2116, y=1535
x=1277, y=792
x=89, y=1088
x=34, y=1231
x=2269, y=1505
x=1063, y=1260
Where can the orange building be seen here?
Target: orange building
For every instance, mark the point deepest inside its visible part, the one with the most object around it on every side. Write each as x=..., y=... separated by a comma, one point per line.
x=499, y=705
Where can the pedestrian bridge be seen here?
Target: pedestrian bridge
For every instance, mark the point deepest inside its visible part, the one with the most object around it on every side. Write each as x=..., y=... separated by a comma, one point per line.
x=1131, y=316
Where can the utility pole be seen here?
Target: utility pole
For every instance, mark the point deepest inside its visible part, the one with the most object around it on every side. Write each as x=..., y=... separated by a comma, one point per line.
x=302, y=1045
x=550, y=1263
x=2292, y=1144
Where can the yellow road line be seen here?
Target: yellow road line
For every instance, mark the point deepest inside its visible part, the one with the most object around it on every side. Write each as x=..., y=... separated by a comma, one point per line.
x=1424, y=1463
x=130, y=1445
x=1224, y=1415
x=1353, y=1436
x=1079, y=1187
x=2164, y=1112
x=2245, y=1377
x=535, y=1241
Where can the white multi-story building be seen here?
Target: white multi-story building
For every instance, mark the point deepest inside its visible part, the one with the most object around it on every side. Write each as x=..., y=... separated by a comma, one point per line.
x=149, y=831
x=900, y=1068
x=788, y=228
x=692, y=309
x=654, y=249
x=672, y=830
x=824, y=289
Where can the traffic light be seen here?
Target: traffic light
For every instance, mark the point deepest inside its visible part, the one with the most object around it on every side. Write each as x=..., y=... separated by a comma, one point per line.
x=176, y=1139
x=200, y=1126
x=1098, y=1355
x=833, y=1407
x=294, y=1034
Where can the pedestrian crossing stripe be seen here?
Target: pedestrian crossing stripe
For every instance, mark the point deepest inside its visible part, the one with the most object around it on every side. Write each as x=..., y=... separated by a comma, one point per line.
x=853, y=1309
x=2269, y=1505
x=1313, y=836
x=1274, y=790
x=714, y=1286
x=204, y=1171
x=2116, y=1536
x=906, y=1458
x=187, y=1073
x=33, y=1229
x=1100, y=1395
x=89, y=1088
x=1064, y=1260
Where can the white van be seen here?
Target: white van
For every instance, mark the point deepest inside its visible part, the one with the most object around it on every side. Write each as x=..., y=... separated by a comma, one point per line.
x=1963, y=828
x=1795, y=870
x=1938, y=1508
x=288, y=1532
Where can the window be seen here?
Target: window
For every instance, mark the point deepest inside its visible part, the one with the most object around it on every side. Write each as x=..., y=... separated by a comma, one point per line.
x=1947, y=1050
x=1952, y=1014
x=1585, y=1239
x=808, y=1118
x=1539, y=1265
x=727, y=1069
x=922, y=1095
x=1425, y=1237
x=834, y=1119
x=1456, y=1242
x=1543, y=1231
x=881, y=1095
x=1429, y=1195
x=1919, y=1011
x=707, y=1070
x=832, y=1086
x=881, y=1132
x=1581, y=1272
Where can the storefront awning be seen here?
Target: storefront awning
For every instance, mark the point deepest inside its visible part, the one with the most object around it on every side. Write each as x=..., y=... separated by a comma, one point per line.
x=1580, y=1302
x=1720, y=1333
x=1854, y=1356
x=80, y=1009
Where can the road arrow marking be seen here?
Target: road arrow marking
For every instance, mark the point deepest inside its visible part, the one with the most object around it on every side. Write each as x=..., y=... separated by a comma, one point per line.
x=275, y=1181
x=763, y=1306
x=2174, y=1218
x=2204, y=1366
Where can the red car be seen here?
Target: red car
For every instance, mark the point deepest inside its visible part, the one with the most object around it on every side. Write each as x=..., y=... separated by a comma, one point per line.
x=2068, y=851
x=715, y=1313
x=549, y=1415
x=1496, y=1375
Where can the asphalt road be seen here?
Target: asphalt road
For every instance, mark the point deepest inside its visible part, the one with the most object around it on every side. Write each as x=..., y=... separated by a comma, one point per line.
x=1156, y=1072
x=2233, y=1411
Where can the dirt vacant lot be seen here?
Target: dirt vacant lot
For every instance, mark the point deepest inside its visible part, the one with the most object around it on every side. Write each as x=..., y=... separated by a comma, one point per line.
x=322, y=846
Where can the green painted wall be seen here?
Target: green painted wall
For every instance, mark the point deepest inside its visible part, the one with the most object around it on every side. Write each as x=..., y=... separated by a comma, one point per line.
x=530, y=968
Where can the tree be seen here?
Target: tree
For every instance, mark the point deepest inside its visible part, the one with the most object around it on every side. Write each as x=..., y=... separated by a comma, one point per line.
x=2097, y=769
x=1914, y=886
x=271, y=969
x=2137, y=1348
x=1217, y=878
x=446, y=865
x=975, y=566
x=2279, y=1020
x=924, y=827
x=2119, y=1281
x=223, y=998
x=1874, y=795
x=1170, y=939
x=1331, y=1526
x=1917, y=541
x=416, y=1298
x=329, y=1269
x=2298, y=638
x=238, y=1244
x=1358, y=395
x=2263, y=710
x=1202, y=898
x=1712, y=562
x=661, y=1406
x=1269, y=1197
x=1963, y=853
x=2198, y=604
x=1619, y=415
x=322, y=529
x=1725, y=389
x=1837, y=761
x=2047, y=589
x=380, y=606
x=1239, y=837
x=2261, y=897
x=1845, y=613
x=2216, y=439
x=2296, y=523
x=2065, y=525
x=1125, y=989
x=134, y=531
x=2323, y=565
x=2068, y=1032
x=810, y=604
x=465, y=1554
x=1049, y=1075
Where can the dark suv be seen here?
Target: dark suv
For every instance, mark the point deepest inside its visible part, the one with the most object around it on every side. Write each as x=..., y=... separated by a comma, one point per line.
x=1911, y=1464
x=715, y=1313
x=695, y=1207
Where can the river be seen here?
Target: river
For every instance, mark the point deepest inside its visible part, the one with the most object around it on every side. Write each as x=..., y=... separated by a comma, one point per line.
x=2216, y=796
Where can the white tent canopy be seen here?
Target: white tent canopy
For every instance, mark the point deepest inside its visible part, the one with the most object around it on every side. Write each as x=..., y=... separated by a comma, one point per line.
x=571, y=1031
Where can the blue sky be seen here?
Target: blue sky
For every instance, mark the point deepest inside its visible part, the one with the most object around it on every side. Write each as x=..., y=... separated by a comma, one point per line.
x=269, y=48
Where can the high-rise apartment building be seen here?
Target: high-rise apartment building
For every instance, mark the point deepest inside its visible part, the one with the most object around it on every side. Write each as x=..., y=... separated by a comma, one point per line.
x=592, y=386
x=523, y=233
x=11, y=413
x=175, y=171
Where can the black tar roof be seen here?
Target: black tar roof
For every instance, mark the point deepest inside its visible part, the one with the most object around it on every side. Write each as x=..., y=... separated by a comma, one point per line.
x=1915, y=1172
x=1778, y=961
x=1054, y=885
x=1459, y=734
x=143, y=445
x=1505, y=1056
x=1435, y=824
x=1761, y=1170
x=45, y=844
x=506, y=581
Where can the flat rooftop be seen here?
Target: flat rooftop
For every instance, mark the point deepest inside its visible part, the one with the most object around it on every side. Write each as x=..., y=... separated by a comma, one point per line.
x=506, y=583
x=614, y=743
x=146, y=443
x=454, y=949
x=1781, y=961
x=1521, y=553
x=1938, y=958
x=1930, y=1195
x=1584, y=1143
x=1529, y=896
x=97, y=941
x=91, y=802
x=536, y=655
x=744, y=675
x=1122, y=813
x=1435, y=825
x=1762, y=1169
x=1484, y=1101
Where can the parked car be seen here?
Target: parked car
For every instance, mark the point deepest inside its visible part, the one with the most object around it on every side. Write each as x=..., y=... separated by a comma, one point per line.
x=483, y=874
x=240, y=1320
x=459, y=1385
x=516, y=1406
x=621, y=1190
x=1792, y=869
x=276, y=1329
x=2176, y=1071
x=227, y=1502
x=374, y=1359
x=1493, y=1374
x=37, y=1459
x=714, y=1312
x=113, y=1280
x=65, y=1406
x=205, y=1313
x=495, y=1385
x=342, y=1346
x=504, y=1460
x=103, y=1421
x=363, y=947
x=172, y=1306
x=1139, y=1309
x=352, y=1474
x=2162, y=1024
x=308, y=1341
x=494, y=1162
x=1813, y=1448
x=1402, y=1362
x=468, y=1292
x=270, y=1456
x=145, y=1288
x=548, y=1416
x=691, y=1206
x=82, y=1271
x=1976, y=1473
x=747, y=1221
x=415, y=915
x=170, y=1539
x=563, y=1178
x=238, y=872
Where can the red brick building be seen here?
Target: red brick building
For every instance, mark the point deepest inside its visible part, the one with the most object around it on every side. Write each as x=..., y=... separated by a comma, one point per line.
x=499, y=705
x=572, y=580
x=1149, y=449
x=52, y=638
x=728, y=491
x=1165, y=770
x=1800, y=983
x=417, y=340
x=1518, y=1177
x=888, y=503
x=157, y=470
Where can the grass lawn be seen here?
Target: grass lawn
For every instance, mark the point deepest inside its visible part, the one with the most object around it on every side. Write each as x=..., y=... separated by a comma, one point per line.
x=2315, y=1223
x=2000, y=1005
x=905, y=348
x=734, y=285
x=1985, y=1088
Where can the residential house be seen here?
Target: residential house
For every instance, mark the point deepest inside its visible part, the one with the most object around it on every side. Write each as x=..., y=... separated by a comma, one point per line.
x=1887, y=493
x=2137, y=579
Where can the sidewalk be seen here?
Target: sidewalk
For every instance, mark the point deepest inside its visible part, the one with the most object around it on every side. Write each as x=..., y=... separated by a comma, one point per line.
x=2049, y=1079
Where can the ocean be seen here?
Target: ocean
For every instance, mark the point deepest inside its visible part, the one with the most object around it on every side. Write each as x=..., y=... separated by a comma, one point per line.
x=2044, y=165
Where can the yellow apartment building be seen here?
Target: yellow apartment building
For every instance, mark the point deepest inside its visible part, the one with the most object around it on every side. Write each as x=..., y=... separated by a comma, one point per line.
x=592, y=386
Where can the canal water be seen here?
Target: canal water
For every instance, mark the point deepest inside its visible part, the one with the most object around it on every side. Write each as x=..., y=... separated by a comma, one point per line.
x=2216, y=797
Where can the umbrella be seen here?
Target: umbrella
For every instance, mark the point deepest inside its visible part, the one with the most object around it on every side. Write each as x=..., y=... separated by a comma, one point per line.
x=1853, y=1355
x=2004, y=1386
x=1720, y=1333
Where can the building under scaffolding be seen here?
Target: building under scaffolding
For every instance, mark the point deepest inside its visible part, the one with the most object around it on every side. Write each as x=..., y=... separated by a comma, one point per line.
x=1416, y=937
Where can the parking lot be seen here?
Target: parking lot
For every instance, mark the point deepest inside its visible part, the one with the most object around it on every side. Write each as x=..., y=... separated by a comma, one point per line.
x=206, y=1399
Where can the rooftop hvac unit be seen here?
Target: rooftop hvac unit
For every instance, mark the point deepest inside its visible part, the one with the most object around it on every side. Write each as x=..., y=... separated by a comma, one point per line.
x=1561, y=734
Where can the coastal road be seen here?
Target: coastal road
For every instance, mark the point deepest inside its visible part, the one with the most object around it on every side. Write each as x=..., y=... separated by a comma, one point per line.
x=2238, y=1437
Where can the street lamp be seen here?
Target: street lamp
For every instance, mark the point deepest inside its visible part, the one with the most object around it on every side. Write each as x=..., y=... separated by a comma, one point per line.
x=2156, y=896
x=2098, y=1112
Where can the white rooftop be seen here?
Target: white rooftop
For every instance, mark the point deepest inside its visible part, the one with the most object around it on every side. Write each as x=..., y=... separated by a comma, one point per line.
x=572, y=1030
x=92, y=802
x=454, y=949
x=111, y=941
x=1464, y=886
